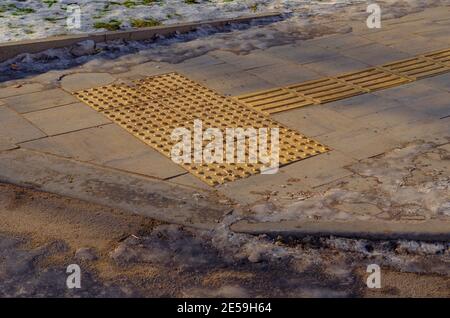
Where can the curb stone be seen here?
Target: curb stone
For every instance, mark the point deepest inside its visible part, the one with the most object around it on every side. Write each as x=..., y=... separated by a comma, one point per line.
x=9, y=50
x=430, y=230
x=155, y=198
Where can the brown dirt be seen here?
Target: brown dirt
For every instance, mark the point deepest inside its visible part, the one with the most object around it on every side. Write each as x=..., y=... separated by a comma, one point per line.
x=41, y=219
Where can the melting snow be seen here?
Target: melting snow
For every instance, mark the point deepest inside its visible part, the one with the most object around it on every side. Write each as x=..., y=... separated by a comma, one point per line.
x=32, y=19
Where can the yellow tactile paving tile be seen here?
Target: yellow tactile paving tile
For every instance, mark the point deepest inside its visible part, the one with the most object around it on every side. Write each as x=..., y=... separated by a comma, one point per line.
x=346, y=85
x=442, y=56
x=275, y=100
x=373, y=79
x=152, y=108
x=416, y=68
x=110, y=96
x=325, y=90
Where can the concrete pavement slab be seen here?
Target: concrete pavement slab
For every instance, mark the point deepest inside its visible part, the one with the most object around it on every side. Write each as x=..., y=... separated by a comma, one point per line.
x=51, y=77
x=409, y=92
x=143, y=70
x=154, y=198
x=203, y=66
x=17, y=128
x=322, y=169
x=7, y=143
x=340, y=42
x=441, y=82
x=66, y=118
x=361, y=105
x=360, y=144
x=355, y=128
x=301, y=53
x=298, y=118
x=374, y=54
x=236, y=84
x=201, y=61
x=437, y=131
x=15, y=90
x=394, y=116
x=437, y=105
x=418, y=26
x=40, y=100
x=315, y=120
x=359, y=28
x=189, y=180
x=110, y=146
x=208, y=71
x=299, y=176
x=416, y=44
x=152, y=68
x=252, y=60
x=388, y=37
x=80, y=81
x=336, y=65
x=287, y=73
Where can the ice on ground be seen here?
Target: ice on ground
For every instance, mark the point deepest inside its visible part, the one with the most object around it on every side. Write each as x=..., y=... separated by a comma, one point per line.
x=302, y=20
x=31, y=19
x=175, y=246
x=406, y=184
x=22, y=274
x=167, y=245
x=120, y=56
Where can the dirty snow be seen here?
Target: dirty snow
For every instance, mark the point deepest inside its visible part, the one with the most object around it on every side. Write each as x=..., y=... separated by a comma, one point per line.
x=303, y=20
x=32, y=19
x=409, y=184
x=167, y=260
x=221, y=245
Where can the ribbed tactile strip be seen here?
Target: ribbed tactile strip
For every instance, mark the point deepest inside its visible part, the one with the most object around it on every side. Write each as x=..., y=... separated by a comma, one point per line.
x=275, y=100
x=166, y=102
x=342, y=86
x=442, y=56
x=325, y=90
x=416, y=68
x=373, y=79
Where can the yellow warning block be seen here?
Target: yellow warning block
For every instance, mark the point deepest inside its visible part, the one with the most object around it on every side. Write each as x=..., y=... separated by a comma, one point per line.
x=416, y=68
x=153, y=108
x=275, y=100
x=442, y=56
x=346, y=85
x=325, y=90
x=373, y=79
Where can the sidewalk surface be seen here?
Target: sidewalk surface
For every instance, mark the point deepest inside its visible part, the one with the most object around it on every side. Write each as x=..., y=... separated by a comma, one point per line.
x=390, y=149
